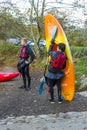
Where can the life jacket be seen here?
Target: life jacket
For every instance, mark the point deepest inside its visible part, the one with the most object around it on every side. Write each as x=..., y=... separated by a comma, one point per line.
x=59, y=62
x=23, y=53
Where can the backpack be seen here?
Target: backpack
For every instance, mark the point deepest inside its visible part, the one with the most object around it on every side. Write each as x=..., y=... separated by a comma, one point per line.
x=59, y=62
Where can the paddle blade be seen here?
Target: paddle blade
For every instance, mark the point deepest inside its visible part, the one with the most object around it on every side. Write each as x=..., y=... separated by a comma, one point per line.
x=54, y=30
x=40, y=90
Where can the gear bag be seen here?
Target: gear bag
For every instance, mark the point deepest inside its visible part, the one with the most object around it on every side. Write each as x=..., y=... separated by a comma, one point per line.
x=59, y=62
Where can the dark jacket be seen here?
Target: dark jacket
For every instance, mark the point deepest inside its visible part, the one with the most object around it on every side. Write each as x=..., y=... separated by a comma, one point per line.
x=25, y=53
x=53, y=73
x=28, y=53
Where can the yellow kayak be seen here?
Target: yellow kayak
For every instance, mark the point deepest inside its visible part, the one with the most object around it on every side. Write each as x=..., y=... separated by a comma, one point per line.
x=68, y=82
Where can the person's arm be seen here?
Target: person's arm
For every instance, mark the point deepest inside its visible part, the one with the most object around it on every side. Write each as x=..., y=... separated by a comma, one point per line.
x=50, y=52
x=32, y=55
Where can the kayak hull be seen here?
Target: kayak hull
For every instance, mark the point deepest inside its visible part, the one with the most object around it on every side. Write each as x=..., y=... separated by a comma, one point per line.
x=68, y=82
x=8, y=76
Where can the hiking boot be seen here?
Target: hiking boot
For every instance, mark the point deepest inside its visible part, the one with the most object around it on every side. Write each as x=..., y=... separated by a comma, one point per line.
x=60, y=100
x=52, y=101
x=27, y=88
x=22, y=87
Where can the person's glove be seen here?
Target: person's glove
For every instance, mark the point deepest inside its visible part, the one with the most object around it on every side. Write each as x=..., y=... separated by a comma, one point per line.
x=26, y=63
x=52, y=41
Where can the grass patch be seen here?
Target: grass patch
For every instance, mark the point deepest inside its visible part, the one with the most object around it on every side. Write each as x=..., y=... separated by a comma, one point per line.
x=78, y=52
x=81, y=65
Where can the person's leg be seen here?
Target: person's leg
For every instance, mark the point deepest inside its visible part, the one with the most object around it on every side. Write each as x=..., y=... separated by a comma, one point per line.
x=24, y=78
x=51, y=84
x=28, y=76
x=59, y=90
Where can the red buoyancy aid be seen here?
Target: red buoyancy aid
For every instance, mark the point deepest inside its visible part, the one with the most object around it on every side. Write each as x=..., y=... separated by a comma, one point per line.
x=23, y=53
x=59, y=62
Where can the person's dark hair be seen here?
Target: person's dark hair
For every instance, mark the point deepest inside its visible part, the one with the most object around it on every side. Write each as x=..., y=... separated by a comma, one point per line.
x=62, y=46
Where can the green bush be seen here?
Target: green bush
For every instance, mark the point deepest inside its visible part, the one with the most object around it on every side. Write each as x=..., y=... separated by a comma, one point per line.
x=8, y=49
x=80, y=63
x=78, y=52
x=8, y=53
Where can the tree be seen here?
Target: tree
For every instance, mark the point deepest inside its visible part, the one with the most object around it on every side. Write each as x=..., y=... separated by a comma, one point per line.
x=37, y=18
x=71, y=9
x=85, y=24
x=12, y=24
x=31, y=23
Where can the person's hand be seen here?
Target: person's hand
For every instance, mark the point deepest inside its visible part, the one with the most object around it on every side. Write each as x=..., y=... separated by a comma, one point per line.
x=52, y=41
x=26, y=62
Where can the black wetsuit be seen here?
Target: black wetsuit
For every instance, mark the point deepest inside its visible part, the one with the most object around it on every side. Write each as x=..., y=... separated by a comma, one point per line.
x=26, y=54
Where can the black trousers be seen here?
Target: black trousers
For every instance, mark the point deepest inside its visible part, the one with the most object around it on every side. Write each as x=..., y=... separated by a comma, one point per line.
x=26, y=76
x=51, y=83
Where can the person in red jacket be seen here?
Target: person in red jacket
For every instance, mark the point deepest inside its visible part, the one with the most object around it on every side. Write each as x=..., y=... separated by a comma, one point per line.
x=55, y=73
x=26, y=57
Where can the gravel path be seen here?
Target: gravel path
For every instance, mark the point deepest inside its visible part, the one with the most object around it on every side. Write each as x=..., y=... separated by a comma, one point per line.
x=27, y=110
x=17, y=102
